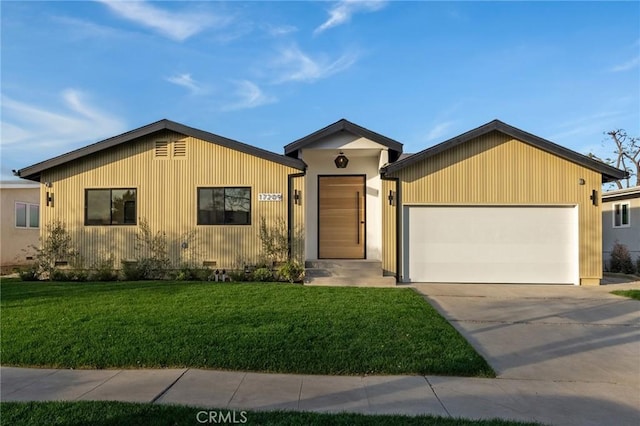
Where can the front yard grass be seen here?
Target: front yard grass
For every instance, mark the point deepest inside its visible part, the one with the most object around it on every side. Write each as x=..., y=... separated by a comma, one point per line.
x=633, y=294
x=123, y=413
x=249, y=327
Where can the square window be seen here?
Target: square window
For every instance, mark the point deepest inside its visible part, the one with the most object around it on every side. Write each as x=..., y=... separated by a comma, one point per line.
x=110, y=206
x=224, y=206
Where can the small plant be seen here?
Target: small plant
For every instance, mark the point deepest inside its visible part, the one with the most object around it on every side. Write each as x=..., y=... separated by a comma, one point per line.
x=262, y=275
x=131, y=271
x=291, y=271
x=153, y=260
x=56, y=247
x=29, y=274
x=102, y=269
x=621, y=259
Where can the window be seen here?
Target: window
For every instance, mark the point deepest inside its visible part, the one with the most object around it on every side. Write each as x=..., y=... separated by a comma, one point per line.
x=224, y=206
x=621, y=215
x=110, y=206
x=27, y=215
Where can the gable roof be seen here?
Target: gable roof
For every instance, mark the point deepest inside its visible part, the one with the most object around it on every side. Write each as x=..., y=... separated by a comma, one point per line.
x=609, y=173
x=342, y=125
x=33, y=172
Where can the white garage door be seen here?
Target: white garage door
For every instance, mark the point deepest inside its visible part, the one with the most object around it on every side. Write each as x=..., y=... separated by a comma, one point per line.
x=491, y=244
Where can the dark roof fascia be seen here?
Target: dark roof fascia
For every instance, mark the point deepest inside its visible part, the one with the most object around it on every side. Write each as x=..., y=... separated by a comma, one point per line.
x=609, y=173
x=33, y=172
x=338, y=126
x=621, y=194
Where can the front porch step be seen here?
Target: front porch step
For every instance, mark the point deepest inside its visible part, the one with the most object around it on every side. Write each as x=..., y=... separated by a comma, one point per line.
x=333, y=272
x=351, y=281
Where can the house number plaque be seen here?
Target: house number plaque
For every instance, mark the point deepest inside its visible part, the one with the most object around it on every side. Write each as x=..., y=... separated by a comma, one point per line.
x=269, y=197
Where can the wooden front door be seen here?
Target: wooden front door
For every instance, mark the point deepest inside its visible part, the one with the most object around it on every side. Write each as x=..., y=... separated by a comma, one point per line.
x=341, y=217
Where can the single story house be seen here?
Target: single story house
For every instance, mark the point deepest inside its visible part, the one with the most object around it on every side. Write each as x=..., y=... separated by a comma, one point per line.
x=621, y=221
x=20, y=223
x=495, y=204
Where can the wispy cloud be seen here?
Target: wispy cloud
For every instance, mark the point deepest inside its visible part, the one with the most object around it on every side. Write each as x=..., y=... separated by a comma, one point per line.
x=292, y=64
x=249, y=95
x=342, y=12
x=633, y=63
x=31, y=127
x=185, y=80
x=587, y=125
x=279, y=31
x=439, y=130
x=177, y=26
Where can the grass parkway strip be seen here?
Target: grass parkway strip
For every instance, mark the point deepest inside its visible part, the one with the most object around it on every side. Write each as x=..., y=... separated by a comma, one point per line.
x=121, y=413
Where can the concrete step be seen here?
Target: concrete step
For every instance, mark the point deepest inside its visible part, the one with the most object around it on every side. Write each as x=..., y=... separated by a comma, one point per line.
x=359, y=264
x=338, y=281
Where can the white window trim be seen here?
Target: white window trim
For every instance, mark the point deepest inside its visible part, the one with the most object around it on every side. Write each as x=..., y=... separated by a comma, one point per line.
x=613, y=216
x=28, y=222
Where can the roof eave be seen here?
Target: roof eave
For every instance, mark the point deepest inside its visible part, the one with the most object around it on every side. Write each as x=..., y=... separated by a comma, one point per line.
x=33, y=172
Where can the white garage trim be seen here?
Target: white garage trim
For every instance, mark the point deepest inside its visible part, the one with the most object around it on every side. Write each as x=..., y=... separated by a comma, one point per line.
x=491, y=244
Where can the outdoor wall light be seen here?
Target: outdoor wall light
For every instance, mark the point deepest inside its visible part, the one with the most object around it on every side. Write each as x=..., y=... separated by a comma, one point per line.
x=391, y=198
x=49, y=198
x=297, y=197
x=594, y=197
x=341, y=161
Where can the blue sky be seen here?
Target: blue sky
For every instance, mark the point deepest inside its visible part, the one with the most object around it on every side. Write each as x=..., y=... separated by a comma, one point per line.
x=268, y=73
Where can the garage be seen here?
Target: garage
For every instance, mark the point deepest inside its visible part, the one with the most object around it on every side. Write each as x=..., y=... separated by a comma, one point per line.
x=491, y=244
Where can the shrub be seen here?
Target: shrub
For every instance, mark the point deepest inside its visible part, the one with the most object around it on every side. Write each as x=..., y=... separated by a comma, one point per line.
x=153, y=259
x=102, y=270
x=131, y=271
x=237, y=275
x=275, y=239
x=29, y=274
x=55, y=247
x=291, y=271
x=621, y=259
x=262, y=275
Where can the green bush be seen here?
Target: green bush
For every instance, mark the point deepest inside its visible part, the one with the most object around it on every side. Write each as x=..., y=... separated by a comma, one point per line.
x=131, y=271
x=102, y=270
x=32, y=274
x=621, y=259
x=237, y=275
x=291, y=271
x=262, y=275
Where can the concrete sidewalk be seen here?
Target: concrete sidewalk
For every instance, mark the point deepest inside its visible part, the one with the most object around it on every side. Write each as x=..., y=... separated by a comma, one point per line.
x=549, y=402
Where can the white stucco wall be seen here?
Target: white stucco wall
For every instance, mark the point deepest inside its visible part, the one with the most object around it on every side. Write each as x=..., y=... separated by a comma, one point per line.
x=365, y=158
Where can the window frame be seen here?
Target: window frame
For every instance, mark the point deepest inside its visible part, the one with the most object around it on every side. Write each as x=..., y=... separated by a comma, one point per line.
x=86, y=206
x=224, y=188
x=28, y=207
x=615, y=211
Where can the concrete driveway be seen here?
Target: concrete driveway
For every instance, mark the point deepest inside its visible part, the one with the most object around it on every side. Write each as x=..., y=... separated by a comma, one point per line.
x=579, y=343
x=541, y=332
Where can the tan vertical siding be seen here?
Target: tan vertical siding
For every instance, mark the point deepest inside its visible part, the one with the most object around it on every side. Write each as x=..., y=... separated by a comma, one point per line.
x=497, y=169
x=388, y=230
x=167, y=198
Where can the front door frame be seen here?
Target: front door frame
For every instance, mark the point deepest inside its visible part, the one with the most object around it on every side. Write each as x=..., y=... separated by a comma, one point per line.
x=364, y=197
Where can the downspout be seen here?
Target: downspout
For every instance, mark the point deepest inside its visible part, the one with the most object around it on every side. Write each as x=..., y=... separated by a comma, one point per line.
x=290, y=209
x=398, y=211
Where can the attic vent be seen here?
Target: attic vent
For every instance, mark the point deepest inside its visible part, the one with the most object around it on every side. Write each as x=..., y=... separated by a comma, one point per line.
x=180, y=148
x=162, y=149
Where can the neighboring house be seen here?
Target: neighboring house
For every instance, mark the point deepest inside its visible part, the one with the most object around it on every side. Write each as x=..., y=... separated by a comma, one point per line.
x=20, y=223
x=495, y=204
x=621, y=221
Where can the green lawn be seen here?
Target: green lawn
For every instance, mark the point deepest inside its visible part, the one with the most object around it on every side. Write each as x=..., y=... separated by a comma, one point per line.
x=250, y=327
x=633, y=294
x=121, y=413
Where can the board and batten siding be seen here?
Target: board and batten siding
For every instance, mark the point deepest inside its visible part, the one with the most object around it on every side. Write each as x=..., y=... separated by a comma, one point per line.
x=496, y=169
x=167, y=199
x=389, y=230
